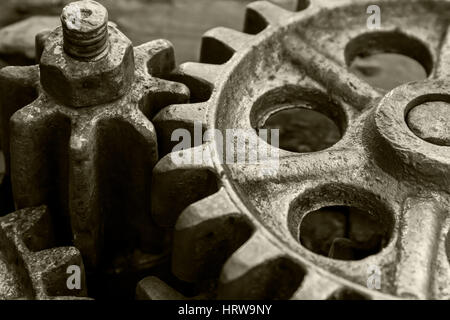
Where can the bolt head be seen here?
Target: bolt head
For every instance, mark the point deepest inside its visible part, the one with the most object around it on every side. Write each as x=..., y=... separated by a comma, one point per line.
x=86, y=83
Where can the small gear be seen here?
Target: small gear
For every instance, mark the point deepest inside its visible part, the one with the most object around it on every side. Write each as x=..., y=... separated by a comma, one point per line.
x=233, y=224
x=78, y=131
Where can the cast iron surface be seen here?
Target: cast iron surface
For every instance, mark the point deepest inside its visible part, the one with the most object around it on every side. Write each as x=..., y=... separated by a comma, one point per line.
x=242, y=227
x=80, y=140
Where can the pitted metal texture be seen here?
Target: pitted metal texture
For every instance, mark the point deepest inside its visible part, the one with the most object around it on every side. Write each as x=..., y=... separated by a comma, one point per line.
x=80, y=139
x=31, y=266
x=390, y=170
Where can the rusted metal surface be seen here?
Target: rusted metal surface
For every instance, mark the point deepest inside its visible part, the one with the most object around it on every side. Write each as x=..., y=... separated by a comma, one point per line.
x=241, y=230
x=31, y=266
x=80, y=140
x=77, y=138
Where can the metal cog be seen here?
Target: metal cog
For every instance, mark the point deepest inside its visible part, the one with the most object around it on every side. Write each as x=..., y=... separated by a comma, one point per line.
x=30, y=266
x=86, y=154
x=233, y=224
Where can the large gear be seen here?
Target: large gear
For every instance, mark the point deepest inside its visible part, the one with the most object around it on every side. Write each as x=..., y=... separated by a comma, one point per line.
x=242, y=228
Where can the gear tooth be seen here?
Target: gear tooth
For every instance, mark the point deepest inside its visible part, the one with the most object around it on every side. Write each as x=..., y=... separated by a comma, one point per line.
x=179, y=179
x=49, y=271
x=84, y=188
x=206, y=234
x=92, y=182
x=259, y=270
x=39, y=272
x=158, y=56
x=177, y=116
x=199, y=77
x=18, y=88
x=33, y=227
x=260, y=14
x=32, y=127
x=316, y=286
x=202, y=71
x=144, y=127
x=166, y=93
x=152, y=288
x=219, y=44
x=39, y=41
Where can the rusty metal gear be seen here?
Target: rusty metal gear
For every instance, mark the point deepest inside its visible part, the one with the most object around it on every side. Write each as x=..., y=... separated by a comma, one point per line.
x=79, y=136
x=232, y=223
x=31, y=267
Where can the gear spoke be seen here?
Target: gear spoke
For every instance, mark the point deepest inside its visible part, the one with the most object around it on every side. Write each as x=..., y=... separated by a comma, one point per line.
x=337, y=80
x=420, y=231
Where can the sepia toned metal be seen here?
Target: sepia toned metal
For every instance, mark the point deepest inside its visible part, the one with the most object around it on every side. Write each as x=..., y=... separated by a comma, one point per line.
x=31, y=265
x=239, y=228
x=80, y=140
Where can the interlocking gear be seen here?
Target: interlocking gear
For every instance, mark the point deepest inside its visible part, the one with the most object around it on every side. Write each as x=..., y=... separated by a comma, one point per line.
x=244, y=228
x=80, y=139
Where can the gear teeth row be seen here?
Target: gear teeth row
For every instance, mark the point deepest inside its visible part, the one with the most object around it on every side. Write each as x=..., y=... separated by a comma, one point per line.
x=261, y=14
x=218, y=46
x=37, y=271
x=214, y=240
x=189, y=177
x=206, y=234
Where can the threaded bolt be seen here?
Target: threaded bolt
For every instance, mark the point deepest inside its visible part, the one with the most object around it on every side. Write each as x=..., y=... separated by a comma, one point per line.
x=85, y=30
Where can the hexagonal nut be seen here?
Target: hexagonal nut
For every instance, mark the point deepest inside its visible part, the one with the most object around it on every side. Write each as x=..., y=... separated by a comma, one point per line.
x=85, y=83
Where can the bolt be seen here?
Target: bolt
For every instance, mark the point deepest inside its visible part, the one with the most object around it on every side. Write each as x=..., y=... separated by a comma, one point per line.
x=85, y=30
x=430, y=121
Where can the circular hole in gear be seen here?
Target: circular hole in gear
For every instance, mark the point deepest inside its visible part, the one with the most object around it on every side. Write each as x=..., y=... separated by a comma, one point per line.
x=343, y=233
x=388, y=59
x=341, y=221
x=303, y=130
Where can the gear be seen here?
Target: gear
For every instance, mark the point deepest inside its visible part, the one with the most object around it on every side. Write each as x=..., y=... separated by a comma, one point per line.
x=30, y=266
x=245, y=229
x=80, y=139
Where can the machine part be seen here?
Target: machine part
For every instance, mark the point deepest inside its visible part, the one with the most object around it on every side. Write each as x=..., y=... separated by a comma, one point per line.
x=80, y=140
x=242, y=223
x=31, y=266
x=17, y=47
